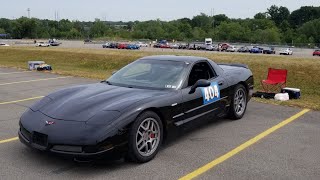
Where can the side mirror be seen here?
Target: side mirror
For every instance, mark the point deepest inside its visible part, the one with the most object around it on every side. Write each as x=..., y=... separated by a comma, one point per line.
x=199, y=83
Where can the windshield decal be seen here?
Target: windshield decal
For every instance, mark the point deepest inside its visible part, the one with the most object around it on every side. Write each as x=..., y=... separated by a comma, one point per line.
x=211, y=93
x=171, y=86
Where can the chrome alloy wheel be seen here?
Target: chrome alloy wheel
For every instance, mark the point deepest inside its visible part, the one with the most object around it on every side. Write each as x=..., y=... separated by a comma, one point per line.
x=240, y=101
x=148, y=137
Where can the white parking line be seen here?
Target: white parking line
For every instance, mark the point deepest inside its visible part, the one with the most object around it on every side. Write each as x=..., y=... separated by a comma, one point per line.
x=15, y=72
x=33, y=80
x=21, y=100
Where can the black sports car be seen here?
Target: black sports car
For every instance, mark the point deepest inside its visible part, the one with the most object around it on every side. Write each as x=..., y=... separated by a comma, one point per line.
x=269, y=50
x=134, y=110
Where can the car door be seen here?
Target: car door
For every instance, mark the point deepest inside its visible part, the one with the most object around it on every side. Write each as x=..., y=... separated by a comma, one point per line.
x=204, y=101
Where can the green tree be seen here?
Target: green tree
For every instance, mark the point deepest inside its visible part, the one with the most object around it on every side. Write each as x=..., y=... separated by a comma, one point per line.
x=198, y=33
x=288, y=36
x=232, y=31
x=260, y=16
x=73, y=34
x=203, y=21
x=255, y=24
x=278, y=14
x=311, y=29
x=220, y=18
x=2, y=31
x=303, y=15
x=266, y=36
x=98, y=29
x=6, y=24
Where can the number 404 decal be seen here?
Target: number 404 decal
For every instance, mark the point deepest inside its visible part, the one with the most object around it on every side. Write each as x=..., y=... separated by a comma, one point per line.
x=211, y=93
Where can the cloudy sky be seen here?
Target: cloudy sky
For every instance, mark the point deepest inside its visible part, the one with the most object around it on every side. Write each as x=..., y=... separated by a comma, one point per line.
x=129, y=10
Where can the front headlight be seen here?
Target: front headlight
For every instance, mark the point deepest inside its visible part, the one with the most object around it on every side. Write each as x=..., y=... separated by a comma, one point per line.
x=103, y=117
x=38, y=105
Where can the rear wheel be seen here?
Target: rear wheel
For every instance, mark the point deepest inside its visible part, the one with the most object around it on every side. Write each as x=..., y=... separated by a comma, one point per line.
x=238, y=103
x=145, y=137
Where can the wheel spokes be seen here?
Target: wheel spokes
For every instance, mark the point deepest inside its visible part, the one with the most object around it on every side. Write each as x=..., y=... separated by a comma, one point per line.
x=147, y=137
x=239, y=101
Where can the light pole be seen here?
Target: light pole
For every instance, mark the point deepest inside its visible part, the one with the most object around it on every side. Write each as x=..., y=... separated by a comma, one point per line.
x=28, y=12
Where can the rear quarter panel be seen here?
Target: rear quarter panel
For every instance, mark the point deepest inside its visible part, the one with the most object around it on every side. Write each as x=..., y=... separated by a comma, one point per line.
x=238, y=75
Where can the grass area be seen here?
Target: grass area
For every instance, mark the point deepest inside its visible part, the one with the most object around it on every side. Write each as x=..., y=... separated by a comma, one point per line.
x=303, y=73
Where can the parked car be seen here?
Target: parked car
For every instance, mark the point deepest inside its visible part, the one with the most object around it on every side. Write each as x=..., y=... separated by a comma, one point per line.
x=183, y=46
x=141, y=44
x=231, y=49
x=106, y=45
x=244, y=49
x=157, y=45
x=87, y=40
x=196, y=46
x=122, y=46
x=223, y=46
x=133, y=46
x=131, y=113
x=3, y=44
x=201, y=47
x=165, y=46
x=256, y=49
x=54, y=42
x=42, y=44
x=113, y=45
x=316, y=53
x=269, y=50
x=174, y=46
x=286, y=51
x=210, y=48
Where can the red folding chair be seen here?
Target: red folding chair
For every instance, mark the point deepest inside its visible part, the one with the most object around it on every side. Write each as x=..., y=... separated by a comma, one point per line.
x=276, y=80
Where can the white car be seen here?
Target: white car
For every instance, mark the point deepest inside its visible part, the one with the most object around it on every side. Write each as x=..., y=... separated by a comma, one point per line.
x=42, y=44
x=141, y=44
x=212, y=48
x=232, y=49
x=3, y=44
x=174, y=46
x=286, y=51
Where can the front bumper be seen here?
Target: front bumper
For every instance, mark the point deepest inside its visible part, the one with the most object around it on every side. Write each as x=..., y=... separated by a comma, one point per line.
x=70, y=138
x=50, y=148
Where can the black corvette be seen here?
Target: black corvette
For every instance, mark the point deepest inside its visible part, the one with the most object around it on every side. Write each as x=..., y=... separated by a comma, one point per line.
x=134, y=110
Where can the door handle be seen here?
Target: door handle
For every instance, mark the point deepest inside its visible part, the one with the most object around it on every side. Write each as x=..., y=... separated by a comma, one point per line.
x=220, y=83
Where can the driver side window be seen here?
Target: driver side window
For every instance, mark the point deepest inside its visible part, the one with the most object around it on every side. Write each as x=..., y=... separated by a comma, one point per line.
x=201, y=70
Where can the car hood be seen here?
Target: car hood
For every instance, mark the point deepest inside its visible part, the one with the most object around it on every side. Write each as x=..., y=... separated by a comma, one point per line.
x=80, y=103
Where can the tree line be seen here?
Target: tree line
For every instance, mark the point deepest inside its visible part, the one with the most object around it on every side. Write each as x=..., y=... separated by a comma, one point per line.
x=277, y=26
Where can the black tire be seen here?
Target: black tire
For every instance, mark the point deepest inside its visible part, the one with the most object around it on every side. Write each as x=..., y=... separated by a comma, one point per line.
x=133, y=152
x=232, y=114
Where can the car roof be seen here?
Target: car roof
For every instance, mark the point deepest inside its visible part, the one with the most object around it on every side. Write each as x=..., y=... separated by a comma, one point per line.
x=189, y=59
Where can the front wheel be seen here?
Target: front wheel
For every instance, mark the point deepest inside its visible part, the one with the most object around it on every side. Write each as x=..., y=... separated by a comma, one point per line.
x=145, y=137
x=238, y=103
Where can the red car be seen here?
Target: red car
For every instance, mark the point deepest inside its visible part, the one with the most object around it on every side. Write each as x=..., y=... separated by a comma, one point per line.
x=316, y=53
x=165, y=46
x=223, y=46
x=122, y=46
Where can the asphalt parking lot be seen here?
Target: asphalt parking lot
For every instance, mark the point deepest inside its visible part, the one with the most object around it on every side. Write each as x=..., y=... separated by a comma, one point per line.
x=233, y=149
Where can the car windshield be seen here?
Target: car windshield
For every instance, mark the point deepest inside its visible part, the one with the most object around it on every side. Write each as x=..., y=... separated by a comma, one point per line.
x=150, y=74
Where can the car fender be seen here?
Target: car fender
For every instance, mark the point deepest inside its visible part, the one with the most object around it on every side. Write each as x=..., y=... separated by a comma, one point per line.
x=162, y=104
